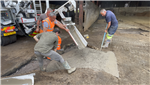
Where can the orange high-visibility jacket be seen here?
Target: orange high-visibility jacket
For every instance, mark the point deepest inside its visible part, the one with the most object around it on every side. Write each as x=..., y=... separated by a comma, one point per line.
x=50, y=25
x=59, y=43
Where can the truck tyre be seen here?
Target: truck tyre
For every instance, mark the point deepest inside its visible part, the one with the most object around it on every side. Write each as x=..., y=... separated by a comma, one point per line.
x=5, y=40
x=12, y=38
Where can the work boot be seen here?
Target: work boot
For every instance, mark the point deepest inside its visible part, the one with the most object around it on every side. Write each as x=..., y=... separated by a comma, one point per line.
x=69, y=69
x=106, y=45
x=43, y=69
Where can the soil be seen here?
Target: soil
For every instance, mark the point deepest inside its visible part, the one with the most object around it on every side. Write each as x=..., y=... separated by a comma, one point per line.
x=131, y=48
x=80, y=77
x=146, y=14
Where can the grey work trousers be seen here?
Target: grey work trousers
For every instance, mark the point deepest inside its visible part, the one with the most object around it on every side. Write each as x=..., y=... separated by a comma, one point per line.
x=51, y=54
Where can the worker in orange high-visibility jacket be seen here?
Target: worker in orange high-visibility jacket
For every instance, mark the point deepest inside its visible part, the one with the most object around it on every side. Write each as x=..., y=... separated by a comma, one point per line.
x=41, y=18
x=49, y=23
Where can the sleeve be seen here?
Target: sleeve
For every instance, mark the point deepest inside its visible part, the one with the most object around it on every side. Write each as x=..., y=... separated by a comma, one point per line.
x=45, y=24
x=40, y=18
x=56, y=43
x=39, y=35
x=55, y=22
x=108, y=18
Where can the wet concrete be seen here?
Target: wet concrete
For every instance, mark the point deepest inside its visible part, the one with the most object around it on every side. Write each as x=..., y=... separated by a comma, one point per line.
x=88, y=58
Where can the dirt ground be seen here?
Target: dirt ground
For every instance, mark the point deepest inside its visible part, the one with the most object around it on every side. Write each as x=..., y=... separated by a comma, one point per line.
x=16, y=54
x=131, y=48
x=131, y=44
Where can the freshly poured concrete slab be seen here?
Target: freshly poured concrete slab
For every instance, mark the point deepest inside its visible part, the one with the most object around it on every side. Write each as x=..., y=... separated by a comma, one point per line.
x=19, y=80
x=89, y=58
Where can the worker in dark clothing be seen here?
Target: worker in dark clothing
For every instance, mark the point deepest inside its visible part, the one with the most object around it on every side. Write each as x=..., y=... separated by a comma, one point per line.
x=112, y=25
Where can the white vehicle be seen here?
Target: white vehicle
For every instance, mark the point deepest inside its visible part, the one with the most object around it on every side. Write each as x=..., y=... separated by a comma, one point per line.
x=74, y=33
x=25, y=18
x=8, y=27
x=17, y=18
x=24, y=15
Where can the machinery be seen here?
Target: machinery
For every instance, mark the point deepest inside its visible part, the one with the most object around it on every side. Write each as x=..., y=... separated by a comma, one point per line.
x=74, y=33
x=21, y=15
x=25, y=18
x=70, y=5
x=8, y=27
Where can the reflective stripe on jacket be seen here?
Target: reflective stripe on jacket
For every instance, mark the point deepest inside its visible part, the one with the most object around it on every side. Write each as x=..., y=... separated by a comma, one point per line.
x=50, y=25
x=59, y=43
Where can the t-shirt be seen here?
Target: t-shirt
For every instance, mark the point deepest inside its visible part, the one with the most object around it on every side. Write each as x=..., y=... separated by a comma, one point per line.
x=42, y=17
x=47, y=41
x=46, y=24
x=110, y=16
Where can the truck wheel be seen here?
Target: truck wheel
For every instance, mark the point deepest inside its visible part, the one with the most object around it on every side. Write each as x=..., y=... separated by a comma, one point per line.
x=5, y=40
x=12, y=38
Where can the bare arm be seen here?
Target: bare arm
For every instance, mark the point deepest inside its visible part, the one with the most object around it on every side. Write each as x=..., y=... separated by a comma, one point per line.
x=45, y=29
x=60, y=25
x=38, y=23
x=55, y=49
x=109, y=23
x=35, y=38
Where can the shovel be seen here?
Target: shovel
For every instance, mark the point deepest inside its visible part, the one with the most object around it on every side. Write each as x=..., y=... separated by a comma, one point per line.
x=103, y=38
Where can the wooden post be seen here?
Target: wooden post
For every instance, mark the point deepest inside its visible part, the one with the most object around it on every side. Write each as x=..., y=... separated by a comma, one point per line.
x=93, y=1
x=98, y=3
x=81, y=16
x=76, y=16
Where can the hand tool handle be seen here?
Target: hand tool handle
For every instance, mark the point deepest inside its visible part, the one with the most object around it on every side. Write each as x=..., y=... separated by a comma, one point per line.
x=103, y=37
